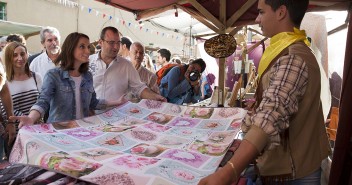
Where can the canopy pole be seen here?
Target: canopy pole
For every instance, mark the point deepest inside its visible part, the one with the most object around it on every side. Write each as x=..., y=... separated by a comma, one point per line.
x=222, y=61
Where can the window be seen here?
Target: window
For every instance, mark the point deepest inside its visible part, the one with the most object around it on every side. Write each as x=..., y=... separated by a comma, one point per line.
x=3, y=11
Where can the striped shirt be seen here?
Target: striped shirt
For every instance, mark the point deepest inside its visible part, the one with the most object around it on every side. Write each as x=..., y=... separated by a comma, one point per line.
x=288, y=82
x=24, y=94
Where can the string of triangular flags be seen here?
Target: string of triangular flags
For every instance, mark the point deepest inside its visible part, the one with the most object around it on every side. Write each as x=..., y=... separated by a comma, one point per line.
x=118, y=21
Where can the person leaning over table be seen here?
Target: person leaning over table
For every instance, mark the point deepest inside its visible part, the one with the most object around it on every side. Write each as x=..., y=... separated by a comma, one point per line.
x=285, y=132
x=182, y=83
x=67, y=92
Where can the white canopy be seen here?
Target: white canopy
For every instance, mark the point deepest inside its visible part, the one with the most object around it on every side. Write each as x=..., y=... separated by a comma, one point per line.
x=27, y=30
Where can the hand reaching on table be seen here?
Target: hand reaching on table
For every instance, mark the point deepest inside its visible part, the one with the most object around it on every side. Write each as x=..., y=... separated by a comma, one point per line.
x=24, y=120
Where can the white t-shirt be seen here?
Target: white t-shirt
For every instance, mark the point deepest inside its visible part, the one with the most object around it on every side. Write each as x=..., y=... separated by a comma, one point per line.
x=79, y=111
x=41, y=64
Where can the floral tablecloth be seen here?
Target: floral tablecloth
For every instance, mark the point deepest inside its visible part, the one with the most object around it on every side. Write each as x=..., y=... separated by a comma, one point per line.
x=149, y=142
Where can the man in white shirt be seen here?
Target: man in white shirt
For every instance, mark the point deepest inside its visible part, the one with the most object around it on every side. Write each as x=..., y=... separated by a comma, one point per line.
x=50, y=39
x=114, y=76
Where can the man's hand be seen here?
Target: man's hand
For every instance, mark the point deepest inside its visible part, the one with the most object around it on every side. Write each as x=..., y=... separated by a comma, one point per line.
x=118, y=102
x=195, y=84
x=24, y=120
x=149, y=94
x=11, y=131
x=160, y=98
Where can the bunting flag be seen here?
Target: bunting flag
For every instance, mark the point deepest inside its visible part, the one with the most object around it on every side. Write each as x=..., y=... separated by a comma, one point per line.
x=137, y=25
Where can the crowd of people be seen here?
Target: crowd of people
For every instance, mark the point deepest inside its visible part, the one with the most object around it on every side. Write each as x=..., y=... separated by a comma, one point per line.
x=75, y=80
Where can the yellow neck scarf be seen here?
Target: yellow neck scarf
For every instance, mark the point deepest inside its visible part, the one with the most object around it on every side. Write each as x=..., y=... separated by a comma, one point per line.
x=277, y=44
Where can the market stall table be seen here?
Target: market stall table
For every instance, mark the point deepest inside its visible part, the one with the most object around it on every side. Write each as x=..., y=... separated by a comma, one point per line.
x=148, y=142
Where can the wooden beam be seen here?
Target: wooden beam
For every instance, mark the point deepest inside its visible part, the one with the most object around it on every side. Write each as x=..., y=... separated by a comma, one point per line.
x=200, y=18
x=337, y=29
x=207, y=14
x=205, y=35
x=256, y=45
x=235, y=30
x=255, y=31
x=222, y=61
x=240, y=12
x=152, y=12
x=221, y=98
x=155, y=11
x=222, y=12
x=182, y=2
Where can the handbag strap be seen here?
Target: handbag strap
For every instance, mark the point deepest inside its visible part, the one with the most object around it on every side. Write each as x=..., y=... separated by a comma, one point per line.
x=35, y=79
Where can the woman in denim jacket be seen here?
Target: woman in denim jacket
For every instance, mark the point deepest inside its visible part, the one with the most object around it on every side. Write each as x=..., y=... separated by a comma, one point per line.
x=63, y=86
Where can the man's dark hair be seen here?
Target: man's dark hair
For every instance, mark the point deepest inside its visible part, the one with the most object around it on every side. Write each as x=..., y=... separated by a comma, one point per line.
x=102, y=33
x=165, y=53
x=200, y=62
x=296, y=9
x=127, y=41
x=16, y=37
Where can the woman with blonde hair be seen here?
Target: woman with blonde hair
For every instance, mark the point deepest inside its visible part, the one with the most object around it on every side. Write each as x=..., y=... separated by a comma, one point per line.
x=23, y=84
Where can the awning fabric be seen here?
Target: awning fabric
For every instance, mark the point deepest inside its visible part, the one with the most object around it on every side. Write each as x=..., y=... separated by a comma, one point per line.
x=27, y=30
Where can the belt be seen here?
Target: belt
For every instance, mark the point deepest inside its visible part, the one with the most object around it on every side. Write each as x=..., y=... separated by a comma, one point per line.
x=277, y=179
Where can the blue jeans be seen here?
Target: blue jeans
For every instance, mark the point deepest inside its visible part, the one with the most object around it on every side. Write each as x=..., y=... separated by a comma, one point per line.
x=312, y=179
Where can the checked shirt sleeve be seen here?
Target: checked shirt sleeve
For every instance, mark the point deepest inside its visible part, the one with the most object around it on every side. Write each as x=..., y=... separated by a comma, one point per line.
x=288, y=81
